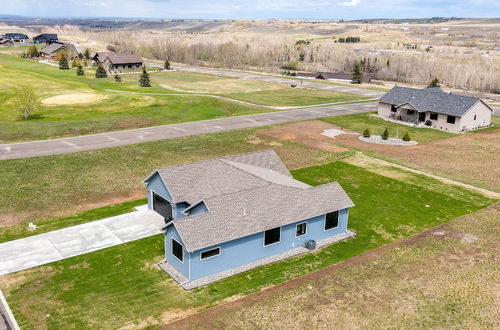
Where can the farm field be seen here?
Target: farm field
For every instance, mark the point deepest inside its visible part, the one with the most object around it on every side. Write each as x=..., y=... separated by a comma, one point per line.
x=73, y=105
x=433, y=280
x=122, y=286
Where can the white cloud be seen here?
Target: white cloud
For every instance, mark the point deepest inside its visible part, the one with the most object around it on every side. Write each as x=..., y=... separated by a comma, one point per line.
x=350, y=3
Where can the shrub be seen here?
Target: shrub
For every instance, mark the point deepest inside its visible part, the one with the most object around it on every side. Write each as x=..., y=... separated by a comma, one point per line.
x=367, y=133
x=293, y=65
x=118, y=78
x=144, y=80
x=434, y=83
x=63, y=63
x=385, y=135
x=79, y=70
x=407, y=137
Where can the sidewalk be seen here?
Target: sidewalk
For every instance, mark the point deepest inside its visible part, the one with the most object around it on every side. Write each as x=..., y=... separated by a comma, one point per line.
x=68, y=242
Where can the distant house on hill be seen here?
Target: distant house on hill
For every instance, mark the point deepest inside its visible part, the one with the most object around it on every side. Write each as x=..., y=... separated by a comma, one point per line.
x=228, y=215
x=433, y=107
x=117, y=61
x=45, y=38
x=6, y=42
x=17, y=37
x=51, y=51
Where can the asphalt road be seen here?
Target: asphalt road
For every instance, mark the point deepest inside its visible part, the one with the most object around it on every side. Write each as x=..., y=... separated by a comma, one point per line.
x=305, y=82
x=111, y=139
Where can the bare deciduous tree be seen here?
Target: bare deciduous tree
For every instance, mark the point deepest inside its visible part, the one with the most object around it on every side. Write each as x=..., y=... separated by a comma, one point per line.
x=26, y=101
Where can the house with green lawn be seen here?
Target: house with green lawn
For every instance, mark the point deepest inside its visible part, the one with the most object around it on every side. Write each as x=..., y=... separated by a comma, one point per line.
x=228, y=215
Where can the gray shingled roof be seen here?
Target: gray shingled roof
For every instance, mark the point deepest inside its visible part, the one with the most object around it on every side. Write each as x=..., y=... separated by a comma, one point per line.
x=124, y=58
x=430, y=99
x=245, y=194
x=52, y=48
x=255, y=210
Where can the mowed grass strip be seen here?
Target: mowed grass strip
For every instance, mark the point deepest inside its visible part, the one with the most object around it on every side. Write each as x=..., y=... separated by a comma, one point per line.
x=121, y=285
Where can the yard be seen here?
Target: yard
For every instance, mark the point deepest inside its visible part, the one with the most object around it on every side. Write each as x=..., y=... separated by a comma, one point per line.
x=121, y=286
x=75, y=105
x=441, y=279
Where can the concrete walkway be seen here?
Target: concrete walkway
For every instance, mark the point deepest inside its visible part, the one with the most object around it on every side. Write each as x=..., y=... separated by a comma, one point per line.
x=72, y=241
x=111, y=139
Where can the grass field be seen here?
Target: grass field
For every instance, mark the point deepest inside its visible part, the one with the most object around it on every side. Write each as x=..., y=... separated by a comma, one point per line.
x=376, y=125
x=121, y=285
x=112, y=111
x=432, y=282
x=44, y=187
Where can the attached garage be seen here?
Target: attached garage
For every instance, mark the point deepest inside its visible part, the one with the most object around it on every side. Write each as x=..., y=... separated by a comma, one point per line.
x=162, y=206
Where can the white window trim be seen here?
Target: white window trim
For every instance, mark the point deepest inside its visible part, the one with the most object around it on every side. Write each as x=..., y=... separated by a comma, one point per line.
x=172, y=250
x=338, y=222
x=264, y=238
x=216, y=255
x=299, y=225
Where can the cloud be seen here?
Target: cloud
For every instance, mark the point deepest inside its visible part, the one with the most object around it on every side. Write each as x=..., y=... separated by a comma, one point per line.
x=350, y=3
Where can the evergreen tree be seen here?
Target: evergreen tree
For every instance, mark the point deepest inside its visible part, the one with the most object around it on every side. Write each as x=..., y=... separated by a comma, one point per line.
x=63, y=62
x=79, y=70
x=357, y=74
x=118, y=78
x=434, y=83
x=100, y=72
x=144, y=79
x=407, y=137
x=74, y=64
x=388, y=63
x=86, y=54
x=367, y=133
x=167, y=64
x=385, y=135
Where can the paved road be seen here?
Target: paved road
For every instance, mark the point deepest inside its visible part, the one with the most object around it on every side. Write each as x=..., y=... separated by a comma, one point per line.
x=306, y=82
x=104, y=140
x=68, y=242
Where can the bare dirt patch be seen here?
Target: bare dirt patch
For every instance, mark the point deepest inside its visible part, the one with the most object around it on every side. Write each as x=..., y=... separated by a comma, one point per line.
x=68, y=99
x=306, y=132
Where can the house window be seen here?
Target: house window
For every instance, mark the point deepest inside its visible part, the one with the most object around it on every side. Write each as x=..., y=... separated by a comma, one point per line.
x=130, y=65
x=393, y=108
x=177, y=250
x=475, y=116
x=332, y=220
x=272, y=236
x=451, y=120
x=434, y=116
x=301, y=229
x=410, y=112
x=210, y=253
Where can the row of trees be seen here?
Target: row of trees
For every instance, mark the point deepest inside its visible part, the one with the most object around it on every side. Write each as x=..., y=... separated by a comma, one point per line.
x=385, y=135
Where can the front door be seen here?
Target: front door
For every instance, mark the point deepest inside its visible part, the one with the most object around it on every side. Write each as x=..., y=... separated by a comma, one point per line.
x=421, y=116
x=162, y=206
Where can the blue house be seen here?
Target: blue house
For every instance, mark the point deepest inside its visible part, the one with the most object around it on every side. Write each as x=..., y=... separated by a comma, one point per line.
x=227, y=215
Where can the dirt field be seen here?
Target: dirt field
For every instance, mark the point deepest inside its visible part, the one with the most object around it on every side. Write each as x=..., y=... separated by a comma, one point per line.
x=306, y=132
x=73, y=99
x=438, y=279
x=471, y=158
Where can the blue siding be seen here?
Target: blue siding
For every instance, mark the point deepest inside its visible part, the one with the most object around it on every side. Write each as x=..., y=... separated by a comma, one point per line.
x=199, y=208
x=157, y=185
x=182, y=267
x=251, y=248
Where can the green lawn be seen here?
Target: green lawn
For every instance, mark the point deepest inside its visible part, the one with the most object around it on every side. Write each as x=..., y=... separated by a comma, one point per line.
x=121, y=285
x=295, y=96
x=360, y=122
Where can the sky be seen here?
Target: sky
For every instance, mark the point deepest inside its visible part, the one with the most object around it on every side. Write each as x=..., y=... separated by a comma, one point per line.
x=252, y=9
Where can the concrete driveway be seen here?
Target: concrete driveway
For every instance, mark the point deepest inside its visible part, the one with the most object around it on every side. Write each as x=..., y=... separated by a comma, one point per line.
x=68, y=242
x=111, y=139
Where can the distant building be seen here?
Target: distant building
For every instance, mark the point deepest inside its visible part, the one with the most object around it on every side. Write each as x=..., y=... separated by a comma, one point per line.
x=17, y=37
x=433, y=107
x=51, y=51
x=6, y=42
x=116, y=61
x=45, y=38
x=367, y=77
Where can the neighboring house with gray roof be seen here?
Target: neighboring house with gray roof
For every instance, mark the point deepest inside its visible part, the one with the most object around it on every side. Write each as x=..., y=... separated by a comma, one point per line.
x=433, y=107
x=230, y=214
x=53, y=50
x=117, y=61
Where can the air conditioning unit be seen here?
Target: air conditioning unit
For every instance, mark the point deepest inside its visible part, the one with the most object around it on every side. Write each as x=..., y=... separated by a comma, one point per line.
x=310, y=244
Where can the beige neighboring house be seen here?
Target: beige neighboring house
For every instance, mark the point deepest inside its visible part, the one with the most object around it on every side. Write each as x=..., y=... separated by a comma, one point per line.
x=116, y=61
x=51, y=51
x=6, y=42
x=433, y=107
